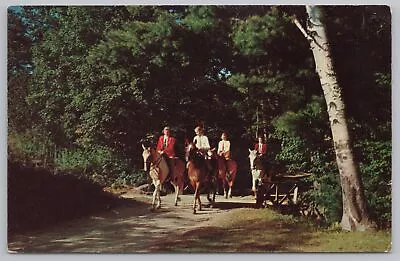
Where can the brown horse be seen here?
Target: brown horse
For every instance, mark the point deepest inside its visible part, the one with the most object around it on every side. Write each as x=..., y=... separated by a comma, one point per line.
x=158, y=171
x=198, y=173
x=227, y=170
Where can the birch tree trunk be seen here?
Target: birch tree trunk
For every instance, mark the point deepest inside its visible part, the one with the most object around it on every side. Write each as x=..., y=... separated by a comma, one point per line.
x=355, y=213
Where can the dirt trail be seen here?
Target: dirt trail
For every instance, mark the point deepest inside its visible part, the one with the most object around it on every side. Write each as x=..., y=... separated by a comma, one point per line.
x=127, y=229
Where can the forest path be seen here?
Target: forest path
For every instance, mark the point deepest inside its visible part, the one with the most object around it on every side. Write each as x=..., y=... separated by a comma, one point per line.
x=128, y=229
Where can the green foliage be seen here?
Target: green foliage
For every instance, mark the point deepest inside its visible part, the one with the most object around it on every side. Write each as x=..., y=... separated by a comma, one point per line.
x=29, y=146
x=100, y=165
x=82, y=158
x=306, y=146
x=201, y=18
x=254, y=35
x=376, y=169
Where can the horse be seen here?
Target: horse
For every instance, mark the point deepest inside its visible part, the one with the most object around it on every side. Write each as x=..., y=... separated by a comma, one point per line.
x=258, y=170
x=158, y=171
x=227, y=170
x=198, y=173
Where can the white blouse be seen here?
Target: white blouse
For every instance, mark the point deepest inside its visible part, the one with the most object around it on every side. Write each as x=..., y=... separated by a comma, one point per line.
x=224, y=146
x=201, y=142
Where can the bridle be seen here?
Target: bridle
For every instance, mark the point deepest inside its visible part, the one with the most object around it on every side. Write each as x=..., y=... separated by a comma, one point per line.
x=253, y=164
x=153, y=163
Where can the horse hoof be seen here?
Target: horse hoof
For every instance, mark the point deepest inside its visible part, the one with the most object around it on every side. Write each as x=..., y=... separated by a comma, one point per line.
x=194, y=211
x=176, y=204
x=158, y=207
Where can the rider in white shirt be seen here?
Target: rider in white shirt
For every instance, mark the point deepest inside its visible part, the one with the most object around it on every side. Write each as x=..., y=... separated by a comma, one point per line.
x=224, y=147
x=201, y=141
x=202, y=144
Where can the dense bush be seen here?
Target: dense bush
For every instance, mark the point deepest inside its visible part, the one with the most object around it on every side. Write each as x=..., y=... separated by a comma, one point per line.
x=97, y=163
x=306, y=146
x=28, y=146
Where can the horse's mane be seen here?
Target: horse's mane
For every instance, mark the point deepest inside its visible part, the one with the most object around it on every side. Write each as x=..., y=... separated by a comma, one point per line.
x=194, y=155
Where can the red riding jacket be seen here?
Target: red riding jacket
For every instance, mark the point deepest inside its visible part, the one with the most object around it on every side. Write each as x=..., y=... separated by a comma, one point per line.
x=169, y=149
x=263, y=149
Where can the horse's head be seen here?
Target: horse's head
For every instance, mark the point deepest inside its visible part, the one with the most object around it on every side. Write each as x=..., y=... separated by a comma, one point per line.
x=189, y=150
x=146, y=157
x=252, y=157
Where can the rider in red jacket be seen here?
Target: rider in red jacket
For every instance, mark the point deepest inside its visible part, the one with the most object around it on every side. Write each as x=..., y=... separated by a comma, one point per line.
x=166, y=143
x=261, y=147
x=166, y=147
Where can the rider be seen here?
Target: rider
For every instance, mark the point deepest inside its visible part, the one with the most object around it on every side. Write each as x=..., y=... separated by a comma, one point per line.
x=166, y=147
x=261, y=148
x=201, y=141
x=224, y=149
x=202, y=144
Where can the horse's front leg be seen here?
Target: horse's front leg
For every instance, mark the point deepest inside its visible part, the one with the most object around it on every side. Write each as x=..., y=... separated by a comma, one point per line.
x=253, y=179
x=157, y=195
x=255, y=176
x=159, y=198
x=153, y=203
x=176, y=187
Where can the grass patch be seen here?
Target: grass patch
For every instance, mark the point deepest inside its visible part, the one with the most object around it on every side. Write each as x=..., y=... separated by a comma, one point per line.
x=262, y=230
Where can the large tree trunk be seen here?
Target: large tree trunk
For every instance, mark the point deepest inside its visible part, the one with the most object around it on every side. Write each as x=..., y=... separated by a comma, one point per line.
x=355, y=213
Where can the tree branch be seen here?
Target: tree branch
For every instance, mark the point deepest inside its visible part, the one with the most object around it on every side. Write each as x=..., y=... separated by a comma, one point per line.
x=306, y=35
x=302, y=30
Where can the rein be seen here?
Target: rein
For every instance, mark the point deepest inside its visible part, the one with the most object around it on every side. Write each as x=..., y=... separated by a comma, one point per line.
x=155, y=163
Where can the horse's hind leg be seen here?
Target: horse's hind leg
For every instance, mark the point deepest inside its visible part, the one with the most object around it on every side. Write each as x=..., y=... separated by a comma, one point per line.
x=226, y=188
x=212, y=190
x=198, y=198
x=195, y=198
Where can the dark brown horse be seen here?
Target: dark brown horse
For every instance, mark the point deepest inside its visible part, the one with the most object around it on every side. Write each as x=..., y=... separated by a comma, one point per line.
x=199, y=174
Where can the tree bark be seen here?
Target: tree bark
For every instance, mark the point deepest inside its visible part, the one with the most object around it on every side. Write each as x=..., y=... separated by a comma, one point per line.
x=355, y=212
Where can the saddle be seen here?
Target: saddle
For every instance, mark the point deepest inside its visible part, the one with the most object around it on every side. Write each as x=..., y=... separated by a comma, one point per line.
x=171, y=163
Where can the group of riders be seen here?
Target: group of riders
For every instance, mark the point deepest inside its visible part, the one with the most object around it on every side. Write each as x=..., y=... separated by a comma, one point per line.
x=166, y=147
